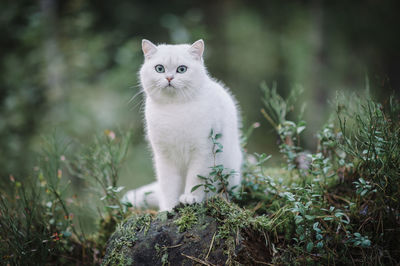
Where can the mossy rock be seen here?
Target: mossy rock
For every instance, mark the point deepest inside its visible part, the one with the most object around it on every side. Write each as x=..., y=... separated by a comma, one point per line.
x=190, y=235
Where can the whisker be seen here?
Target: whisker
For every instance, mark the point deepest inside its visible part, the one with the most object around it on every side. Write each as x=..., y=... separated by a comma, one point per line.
x=135, y=86
x=186, y=93
x=189, y=95
x=134, y=96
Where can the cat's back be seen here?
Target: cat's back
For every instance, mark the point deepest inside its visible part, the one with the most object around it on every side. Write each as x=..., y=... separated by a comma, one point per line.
x=224, y=101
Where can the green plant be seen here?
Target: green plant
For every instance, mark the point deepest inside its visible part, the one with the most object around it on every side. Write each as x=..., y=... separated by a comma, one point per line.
x=371, y=133
x=100, y=164
x=358, y=240
x=363, y=187
x=41, y=220
x=276, y=112
x=363, y=142
x=219, y=175
x=37, y=223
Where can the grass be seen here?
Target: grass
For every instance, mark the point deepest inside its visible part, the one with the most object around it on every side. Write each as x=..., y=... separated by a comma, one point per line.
x=42, y=221
x=337, y=205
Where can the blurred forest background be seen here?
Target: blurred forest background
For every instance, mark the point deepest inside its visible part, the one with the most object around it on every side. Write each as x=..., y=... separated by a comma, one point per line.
x=71, y=66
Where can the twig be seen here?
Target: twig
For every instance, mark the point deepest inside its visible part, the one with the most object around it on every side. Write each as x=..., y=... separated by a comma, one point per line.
x=261, y=262
x=259, y=204
x=365, y=221
x=211, y=245
x=174, y=246
x=264, y=113
x=198, y=260
x=341, y=198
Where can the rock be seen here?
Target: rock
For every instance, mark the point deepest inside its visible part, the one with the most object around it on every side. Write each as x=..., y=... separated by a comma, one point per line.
x=182, y=237
x=190, y=235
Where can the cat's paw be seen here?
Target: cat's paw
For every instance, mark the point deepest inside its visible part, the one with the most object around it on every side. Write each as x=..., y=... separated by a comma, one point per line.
x=190, y=199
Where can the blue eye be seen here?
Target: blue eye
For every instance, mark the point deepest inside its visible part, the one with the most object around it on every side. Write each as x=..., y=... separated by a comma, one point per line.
x=160, y=68
x=181, y=69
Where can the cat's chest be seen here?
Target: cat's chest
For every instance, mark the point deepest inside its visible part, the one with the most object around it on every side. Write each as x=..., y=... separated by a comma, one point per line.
x=186, y=125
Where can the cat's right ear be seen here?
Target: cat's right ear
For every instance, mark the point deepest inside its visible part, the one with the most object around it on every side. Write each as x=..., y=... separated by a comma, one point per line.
x=148, y=48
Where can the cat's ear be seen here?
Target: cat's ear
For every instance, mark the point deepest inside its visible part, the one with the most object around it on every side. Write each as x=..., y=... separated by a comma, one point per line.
x=148, y=48
x=197, y=49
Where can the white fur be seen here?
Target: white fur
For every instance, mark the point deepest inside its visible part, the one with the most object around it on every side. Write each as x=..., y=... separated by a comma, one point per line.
x=179, y=119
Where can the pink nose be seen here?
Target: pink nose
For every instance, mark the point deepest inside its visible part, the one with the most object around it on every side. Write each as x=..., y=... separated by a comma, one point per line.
x=169, y=79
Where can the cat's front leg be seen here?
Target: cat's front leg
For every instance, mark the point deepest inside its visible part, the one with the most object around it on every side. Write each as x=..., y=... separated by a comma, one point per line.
x=199, y=166
x=170, y=184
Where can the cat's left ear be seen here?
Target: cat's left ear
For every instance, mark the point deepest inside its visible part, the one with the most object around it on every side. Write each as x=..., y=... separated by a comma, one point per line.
x=197, y=49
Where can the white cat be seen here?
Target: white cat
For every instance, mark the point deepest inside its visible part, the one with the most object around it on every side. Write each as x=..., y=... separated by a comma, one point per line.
x=183, y=105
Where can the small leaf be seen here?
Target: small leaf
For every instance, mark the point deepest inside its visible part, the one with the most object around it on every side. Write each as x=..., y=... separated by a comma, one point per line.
x=315, y=226
x=211, y=187
x=66, y=233
x=112, y=207
x=310, y=246
x=300, y=231
x=309, y=217
x=289, y=196
x=366, y=243
x=202, y=177
x=326, y=169
x=217, y=136
x=118, y=189
x=298, y=219
x=196, y=187
x=339, y=214
x=127, y=204
x=300, y=129
x=295, y=209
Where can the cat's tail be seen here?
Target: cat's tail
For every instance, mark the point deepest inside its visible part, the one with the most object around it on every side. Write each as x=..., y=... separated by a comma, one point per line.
x=143, y=197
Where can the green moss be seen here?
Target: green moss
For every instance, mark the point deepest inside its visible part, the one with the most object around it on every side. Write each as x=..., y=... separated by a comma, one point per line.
x=163, y=216
x=232, y=218
x=125, y=237
x=162, y=252
x=188, y=217
x=230, y=251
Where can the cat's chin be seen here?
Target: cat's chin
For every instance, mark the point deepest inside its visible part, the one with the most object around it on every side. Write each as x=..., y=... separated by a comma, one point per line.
x=170, y=90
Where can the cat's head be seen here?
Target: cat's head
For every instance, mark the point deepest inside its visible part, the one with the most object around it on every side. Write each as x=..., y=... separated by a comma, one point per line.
x=172, y=72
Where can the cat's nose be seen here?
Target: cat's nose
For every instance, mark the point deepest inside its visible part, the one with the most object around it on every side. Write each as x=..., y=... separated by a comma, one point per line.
x=169, y=78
